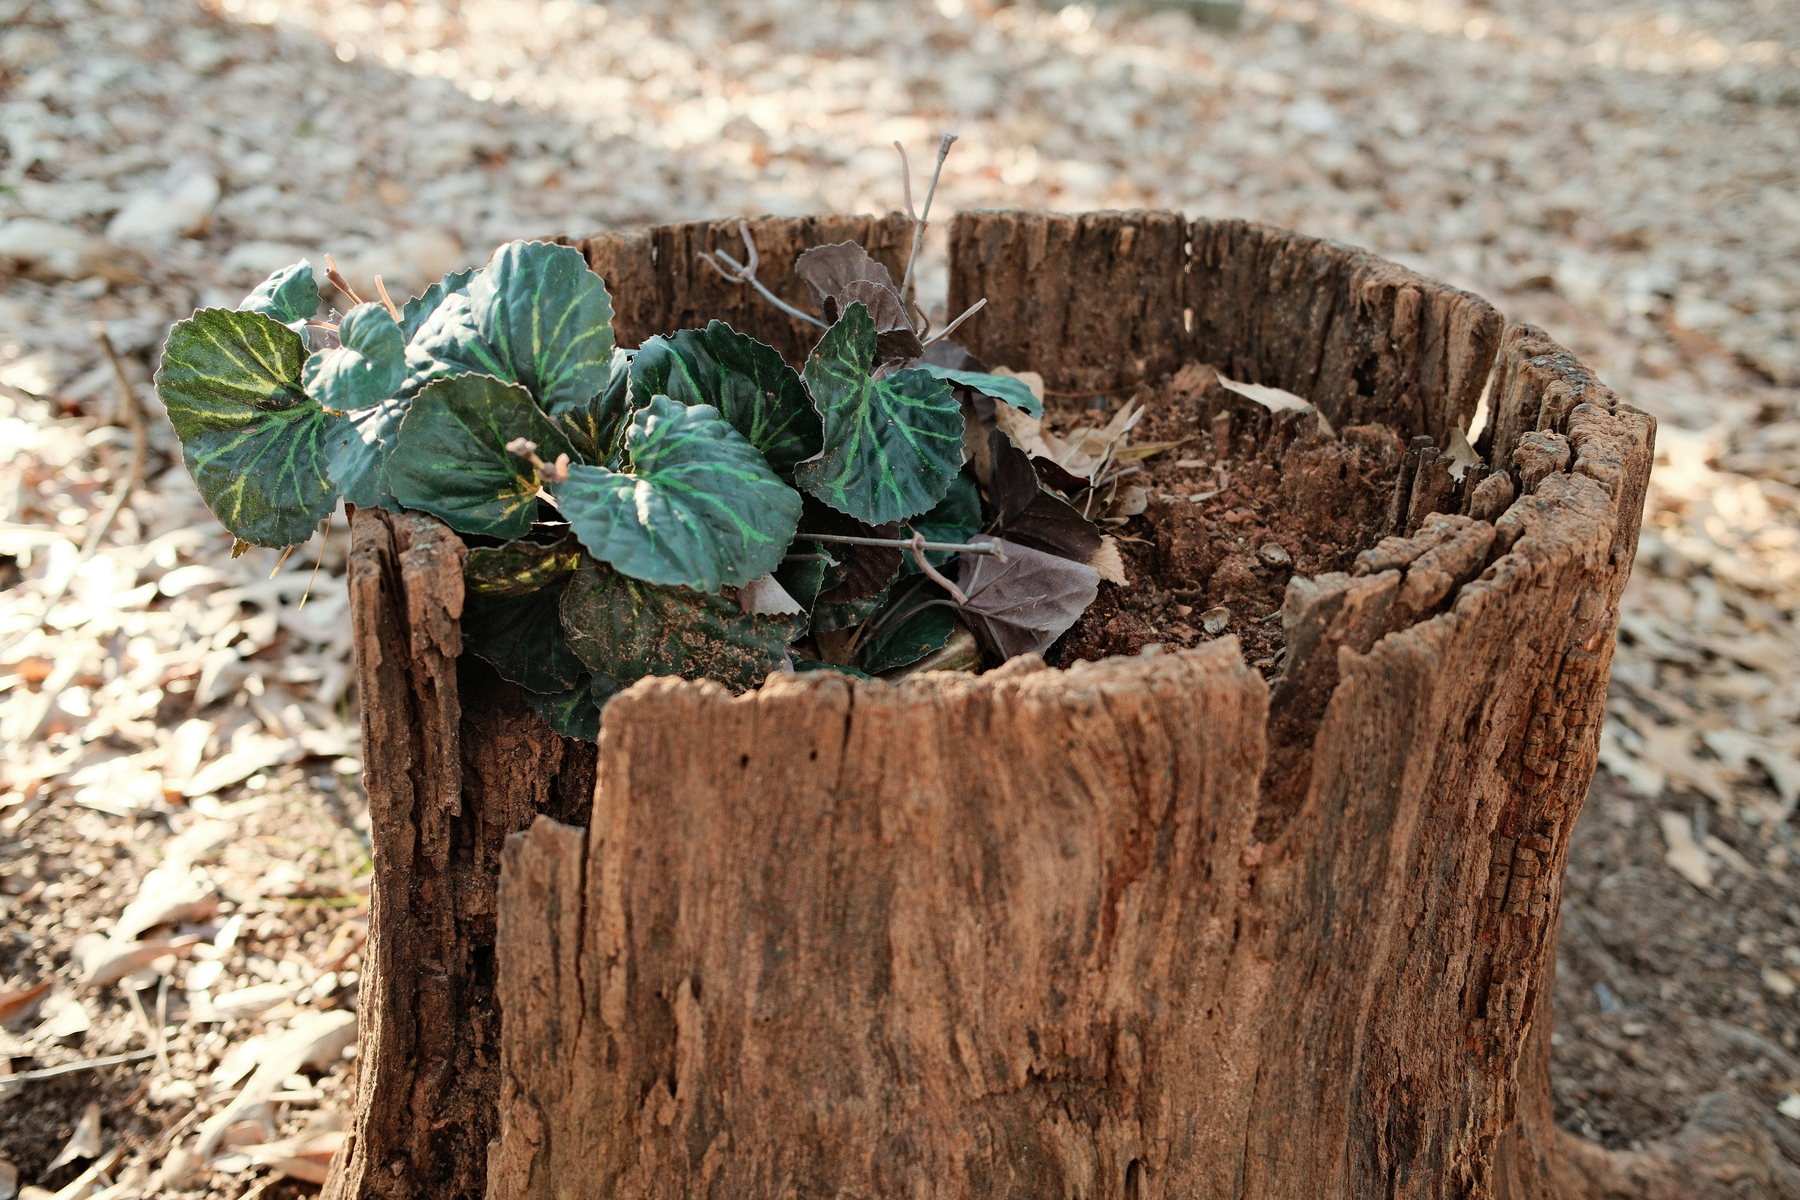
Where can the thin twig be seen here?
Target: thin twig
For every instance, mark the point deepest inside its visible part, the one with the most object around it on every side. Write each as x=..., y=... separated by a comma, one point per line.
x=109, y=1060
x=949, y=329
x=133, y=416
x=746, y=273
x=320, y=561
x=923, y=220
x=905, y=544
x=339, y=282
x=931, y=572
x=906, y=182
x=282, y=559
x=393, y=311
x=525, y=448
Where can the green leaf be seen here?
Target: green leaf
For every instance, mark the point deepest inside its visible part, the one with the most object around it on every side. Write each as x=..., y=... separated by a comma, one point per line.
x=923, y=629
x=535, y=315
x=595, y=425
x=575, y=713
x=627, y=629
x=522, y=636
x=749, y=383
x=363, y=442
x=520, y=567
x=414, y=311
x=803, y=580
x=700, y=507
x=957, y=518
x=846, y=615
x=892, y=445
x=367, y=367
x=256, y=444
x=451, y=460
x=1000, y=387
x=287, y=296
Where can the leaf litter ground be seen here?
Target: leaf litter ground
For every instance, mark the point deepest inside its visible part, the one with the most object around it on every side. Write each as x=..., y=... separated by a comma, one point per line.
x=1618, y=172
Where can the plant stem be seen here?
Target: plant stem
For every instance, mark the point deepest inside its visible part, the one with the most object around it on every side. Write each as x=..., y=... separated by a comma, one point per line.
x=392, y=310
x=746, y=273
x=905, y=544
x=947, y=330
x=931, y=572
x=921, y=221
x=339, y=282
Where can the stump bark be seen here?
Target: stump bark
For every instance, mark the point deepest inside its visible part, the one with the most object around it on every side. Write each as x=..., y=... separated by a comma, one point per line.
x=1148, y=927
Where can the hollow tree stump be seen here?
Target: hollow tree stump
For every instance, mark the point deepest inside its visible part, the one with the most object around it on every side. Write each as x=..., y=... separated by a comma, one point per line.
x=1148, y=927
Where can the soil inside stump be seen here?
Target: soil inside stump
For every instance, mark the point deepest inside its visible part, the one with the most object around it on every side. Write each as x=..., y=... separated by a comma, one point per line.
x=1250, y=498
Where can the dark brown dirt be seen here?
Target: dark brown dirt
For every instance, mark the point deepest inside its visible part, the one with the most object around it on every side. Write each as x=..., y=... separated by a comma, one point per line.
x=1663, y=992
x=1242, y=481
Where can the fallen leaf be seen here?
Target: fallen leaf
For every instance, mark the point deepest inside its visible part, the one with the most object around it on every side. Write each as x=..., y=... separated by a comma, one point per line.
x=1685, y=854
x=64, y=1016
x=21, y=1004
x=318, y=1040
x=1022, y=605
x=257, y=998
x=1108, y=562
x=764, y=595
x=305, y=1156
x=105, y=960
x=167, y=895
x=9, y=1180
x=84, y=1143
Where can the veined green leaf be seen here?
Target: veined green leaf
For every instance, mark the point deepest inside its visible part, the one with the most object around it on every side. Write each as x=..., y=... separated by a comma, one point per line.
x=627, y=629
x=576, y=712
x=366, y=367
x=595, y=425
x=414, y=311
x=758, y=393
x=450, y=458
x=1000, y=387
x=362, y=443
x=256, y=444
x=892, y=445
x=522, y=636
x=920, y=629
x=957, y=518
x=700, y=507
x=804, y=579
x=287, y=296
x=520, y=567
x=535, y=315
x=847, y=614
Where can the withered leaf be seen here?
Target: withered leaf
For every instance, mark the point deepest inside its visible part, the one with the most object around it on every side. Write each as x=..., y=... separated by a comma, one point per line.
x=1022, y=605
x=828, y=270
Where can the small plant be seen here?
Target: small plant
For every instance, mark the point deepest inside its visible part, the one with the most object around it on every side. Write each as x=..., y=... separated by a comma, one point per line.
x=693, y=507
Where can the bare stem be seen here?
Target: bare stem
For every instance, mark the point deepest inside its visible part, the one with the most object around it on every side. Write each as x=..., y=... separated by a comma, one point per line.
x=393, y=311
x=947, y=330
x=905, y=544
x=525, y=448
x=923, y=220
x=746, y=273
x=931, y=572
x=339, y=282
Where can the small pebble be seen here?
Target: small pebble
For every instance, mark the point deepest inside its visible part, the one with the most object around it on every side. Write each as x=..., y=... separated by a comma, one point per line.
x=1214, y=620
x=1275, y=554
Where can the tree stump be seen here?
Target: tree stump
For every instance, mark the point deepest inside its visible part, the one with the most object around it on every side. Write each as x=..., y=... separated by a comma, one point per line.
x=1146, y=927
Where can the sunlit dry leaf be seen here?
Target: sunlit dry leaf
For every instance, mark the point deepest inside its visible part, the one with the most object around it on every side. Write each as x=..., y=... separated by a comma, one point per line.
x=317, y=1039
x=84, y=1143
x=18, y=1005
x=1108, y=562
x=1685, y=854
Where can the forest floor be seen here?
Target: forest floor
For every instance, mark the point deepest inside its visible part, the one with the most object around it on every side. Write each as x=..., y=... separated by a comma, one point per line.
x=180, y=734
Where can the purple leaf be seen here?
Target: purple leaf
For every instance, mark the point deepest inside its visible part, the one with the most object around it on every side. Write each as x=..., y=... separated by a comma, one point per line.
x=1022, y=605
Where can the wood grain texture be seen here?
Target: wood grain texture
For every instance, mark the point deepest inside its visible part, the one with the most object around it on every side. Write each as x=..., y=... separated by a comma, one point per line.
x=1142, y=928
x=1093, y=302
x=452, y=765
x=863, y=939
x=659, y=286
x=1361, y=338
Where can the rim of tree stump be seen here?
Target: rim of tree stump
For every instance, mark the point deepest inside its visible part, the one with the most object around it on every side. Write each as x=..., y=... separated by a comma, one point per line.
x=1175, y=931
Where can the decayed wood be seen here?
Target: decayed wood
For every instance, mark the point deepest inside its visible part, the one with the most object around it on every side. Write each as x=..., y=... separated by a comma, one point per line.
x=1029, y=934
x=450, y=770
x=1141, y=928
x=658, y=286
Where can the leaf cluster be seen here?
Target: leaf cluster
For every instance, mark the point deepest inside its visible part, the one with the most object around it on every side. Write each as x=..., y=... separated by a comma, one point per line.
x=695, y=506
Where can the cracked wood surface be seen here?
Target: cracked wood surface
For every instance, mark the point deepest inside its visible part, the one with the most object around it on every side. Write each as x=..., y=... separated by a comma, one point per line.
x=811, y=942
